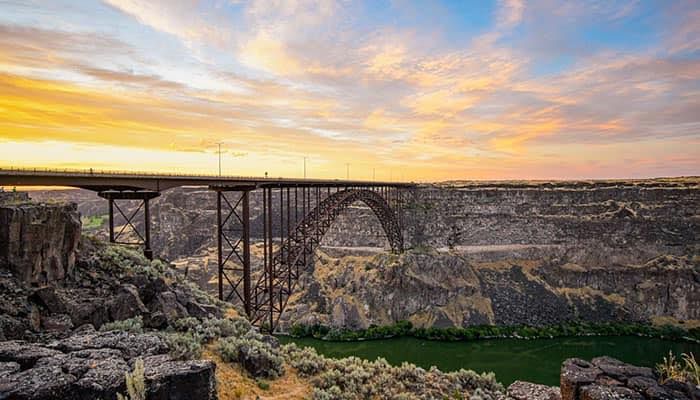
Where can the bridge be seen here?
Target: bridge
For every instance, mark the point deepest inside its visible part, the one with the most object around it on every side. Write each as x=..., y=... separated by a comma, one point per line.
x=305, y=209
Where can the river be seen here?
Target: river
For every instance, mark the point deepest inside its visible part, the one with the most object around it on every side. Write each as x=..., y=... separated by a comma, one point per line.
x=536, y=360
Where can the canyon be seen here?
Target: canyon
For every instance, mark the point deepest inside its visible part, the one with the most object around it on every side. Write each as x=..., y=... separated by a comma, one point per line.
x=508, y=253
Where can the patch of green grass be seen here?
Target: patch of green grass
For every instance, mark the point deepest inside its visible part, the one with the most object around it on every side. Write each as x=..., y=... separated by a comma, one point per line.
x=93, y=222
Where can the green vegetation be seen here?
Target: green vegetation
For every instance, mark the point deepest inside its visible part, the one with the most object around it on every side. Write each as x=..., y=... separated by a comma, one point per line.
x=252, y=350
x=405, y=328
x=183, y=346
x=672, y=369
x=132, y=325
x=93, y=222
x=354, y=378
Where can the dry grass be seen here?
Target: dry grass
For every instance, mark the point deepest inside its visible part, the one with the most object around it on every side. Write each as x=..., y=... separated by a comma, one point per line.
x=666, y=320
x=587, y=292
x=232, y=383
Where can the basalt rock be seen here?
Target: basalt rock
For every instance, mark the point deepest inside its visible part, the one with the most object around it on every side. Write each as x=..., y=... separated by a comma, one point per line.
x=606, y=378
x=93, y=366
x=38, y=242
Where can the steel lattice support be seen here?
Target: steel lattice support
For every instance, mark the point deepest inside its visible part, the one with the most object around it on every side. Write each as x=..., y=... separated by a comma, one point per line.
x=144, y=197
x=233, y=244
x=294, y=220
x=295, y=247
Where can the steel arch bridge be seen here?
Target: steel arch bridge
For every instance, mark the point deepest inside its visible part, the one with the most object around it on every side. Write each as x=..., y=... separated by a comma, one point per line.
x=278, y=281
x=296, y=213
x=294, y=223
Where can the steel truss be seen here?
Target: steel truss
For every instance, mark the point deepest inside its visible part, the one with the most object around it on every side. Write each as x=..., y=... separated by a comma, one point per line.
x=294, y=220
x=233, y=243
x=144, y=197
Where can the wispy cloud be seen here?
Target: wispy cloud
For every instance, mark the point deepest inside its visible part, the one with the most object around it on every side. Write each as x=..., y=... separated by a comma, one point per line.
x=350, y=82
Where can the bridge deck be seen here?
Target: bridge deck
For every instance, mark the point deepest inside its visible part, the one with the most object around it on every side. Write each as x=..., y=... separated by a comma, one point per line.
x=106, y=180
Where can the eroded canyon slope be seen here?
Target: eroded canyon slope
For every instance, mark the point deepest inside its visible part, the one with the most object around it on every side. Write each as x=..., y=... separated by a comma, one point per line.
x=479, y=252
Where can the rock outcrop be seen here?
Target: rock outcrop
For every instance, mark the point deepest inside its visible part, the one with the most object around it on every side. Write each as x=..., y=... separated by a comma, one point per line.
x=38, y=242
x=605, y=378
x=93, y=366
x=50, y=287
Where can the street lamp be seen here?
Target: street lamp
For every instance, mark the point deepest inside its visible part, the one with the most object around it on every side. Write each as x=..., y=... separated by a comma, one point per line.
x=219, y=158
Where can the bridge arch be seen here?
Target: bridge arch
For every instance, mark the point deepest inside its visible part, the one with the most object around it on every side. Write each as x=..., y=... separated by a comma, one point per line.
x=276, y=284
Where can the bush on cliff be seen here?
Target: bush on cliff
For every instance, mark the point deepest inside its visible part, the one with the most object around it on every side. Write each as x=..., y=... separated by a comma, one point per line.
x=183, y=346
x=131, y=325
x=256, y=356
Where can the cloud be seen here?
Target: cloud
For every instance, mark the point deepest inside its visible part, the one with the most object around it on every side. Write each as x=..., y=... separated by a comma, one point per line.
x=299, y=77
x=510, y=13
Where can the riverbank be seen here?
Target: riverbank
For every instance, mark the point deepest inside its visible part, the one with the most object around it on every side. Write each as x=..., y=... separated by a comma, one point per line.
x=406, y=329
x=536, y=360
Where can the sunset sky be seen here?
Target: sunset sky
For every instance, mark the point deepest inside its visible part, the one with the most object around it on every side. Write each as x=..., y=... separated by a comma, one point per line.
x=416, y=90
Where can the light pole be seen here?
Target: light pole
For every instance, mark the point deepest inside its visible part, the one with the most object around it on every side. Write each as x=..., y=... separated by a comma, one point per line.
x=219, y=158
x=374, y=174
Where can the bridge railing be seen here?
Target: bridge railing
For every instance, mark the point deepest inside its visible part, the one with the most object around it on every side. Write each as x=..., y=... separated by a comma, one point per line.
x=77, y=172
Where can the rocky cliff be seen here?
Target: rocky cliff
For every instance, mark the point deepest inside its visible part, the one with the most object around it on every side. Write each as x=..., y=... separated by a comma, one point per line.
x=38, y=242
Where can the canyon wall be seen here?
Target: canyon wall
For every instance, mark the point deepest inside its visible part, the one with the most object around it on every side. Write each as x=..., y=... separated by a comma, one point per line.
x=37, y=241
x=503, y=253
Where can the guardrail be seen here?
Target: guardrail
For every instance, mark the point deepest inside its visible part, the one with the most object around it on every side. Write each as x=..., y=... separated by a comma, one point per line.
x=166, y=175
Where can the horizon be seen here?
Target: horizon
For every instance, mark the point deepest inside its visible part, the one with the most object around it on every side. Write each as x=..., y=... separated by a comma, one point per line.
x=403, y=91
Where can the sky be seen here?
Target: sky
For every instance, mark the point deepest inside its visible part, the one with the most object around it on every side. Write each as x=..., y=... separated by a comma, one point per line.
x=384, y=89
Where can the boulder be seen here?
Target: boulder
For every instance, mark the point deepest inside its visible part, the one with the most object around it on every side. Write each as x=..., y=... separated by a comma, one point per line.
x=166, y=304
x=620, y=371
x=88, y=310
x=47, y=297
x=598, y=392
x=575, y=374
x=126, y=304
x=167, y=379
x=56, y=323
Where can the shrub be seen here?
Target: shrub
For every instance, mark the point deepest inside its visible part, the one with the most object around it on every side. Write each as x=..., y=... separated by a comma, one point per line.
x=305, y=360
x=672, y=369
x=256, y=356
x=135, y=383
x=183, y=346
x=132, y=325
x=212, y=328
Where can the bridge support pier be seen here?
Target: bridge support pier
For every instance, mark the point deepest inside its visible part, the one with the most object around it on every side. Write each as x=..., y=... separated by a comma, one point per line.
x=233, y=243
x=144, y=196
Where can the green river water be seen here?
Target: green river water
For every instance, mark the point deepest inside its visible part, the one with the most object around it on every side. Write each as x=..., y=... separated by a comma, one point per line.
x=511, y=359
